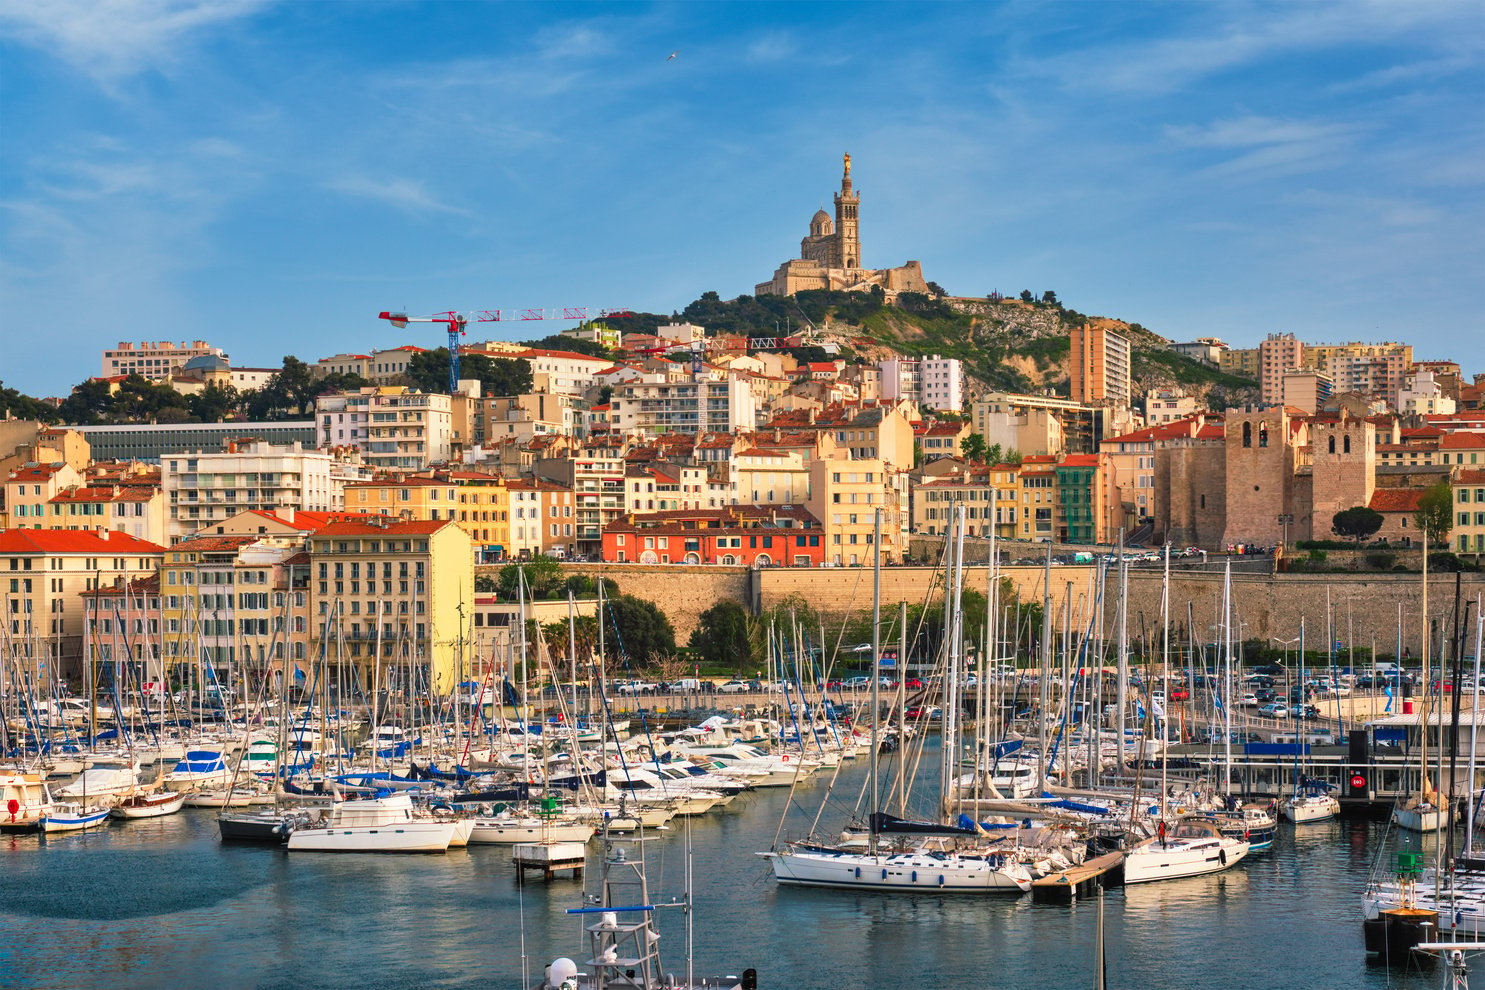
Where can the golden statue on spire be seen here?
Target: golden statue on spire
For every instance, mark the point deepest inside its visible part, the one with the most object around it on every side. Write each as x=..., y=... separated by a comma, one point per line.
x=848, y=163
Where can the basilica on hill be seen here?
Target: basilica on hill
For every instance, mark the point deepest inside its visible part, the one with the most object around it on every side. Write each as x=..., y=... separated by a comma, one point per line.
x=830, y=255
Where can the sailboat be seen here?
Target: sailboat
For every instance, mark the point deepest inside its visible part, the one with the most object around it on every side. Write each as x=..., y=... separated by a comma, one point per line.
x=1181, y=847
x=1421, y=812
x=929, y=858
x=1310, y=800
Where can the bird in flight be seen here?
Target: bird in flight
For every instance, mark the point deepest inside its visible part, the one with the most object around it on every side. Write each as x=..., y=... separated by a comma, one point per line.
x=672, y=55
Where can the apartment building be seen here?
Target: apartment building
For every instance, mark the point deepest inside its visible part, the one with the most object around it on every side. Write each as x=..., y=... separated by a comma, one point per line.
x=203, y=488
x=1167, y=406
x=1423, y=395
x=1038, y=497
x=1468, y=486
x=43, y=573
x=522, y=417
x=989, y=497
x=741, y=535
x=138, y=510
x=594, y=474
x=388, y=365
x=151, y=442
x=29, y=490
x=1086, y=500
x=393, y=586
x=1277, y=353
x=561, y=372
x=942, y=439
x=683, y=407
x=664, y=488
x=395, y=428
x=1243, y=362
x=1307, y=390
x=153, y=359
x=772, y=473
x=478, y=503
x=343, y=364
x=902, y=378
x=1100, y=366
x=220, y=607
x=844, y=495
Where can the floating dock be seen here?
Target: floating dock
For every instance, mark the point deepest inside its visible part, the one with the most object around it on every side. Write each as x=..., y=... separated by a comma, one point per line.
x=549, y=857
x=1081, y=880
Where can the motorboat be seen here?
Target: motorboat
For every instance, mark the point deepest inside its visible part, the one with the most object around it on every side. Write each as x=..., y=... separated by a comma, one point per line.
x=383, y=824
x=25, y=801
x=200, y=768
x=74, y=818
x=1301, y=809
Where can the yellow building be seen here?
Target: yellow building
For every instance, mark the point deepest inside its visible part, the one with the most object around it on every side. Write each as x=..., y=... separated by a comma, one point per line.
x=28, y=490
x=391, y=589
x=1038, y=481
x=986, y=493
x=844, y=494
x=479, y=503
x=42, y=574
x=1469, y=511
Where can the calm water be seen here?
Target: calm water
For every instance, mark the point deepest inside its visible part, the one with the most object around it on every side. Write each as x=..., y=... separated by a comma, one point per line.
x=163, y=903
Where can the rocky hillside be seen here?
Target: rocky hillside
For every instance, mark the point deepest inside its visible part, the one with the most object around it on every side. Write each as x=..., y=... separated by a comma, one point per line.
x=1006, y=344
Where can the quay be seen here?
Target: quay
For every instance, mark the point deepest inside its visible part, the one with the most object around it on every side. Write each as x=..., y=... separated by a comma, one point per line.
x=1082, y=880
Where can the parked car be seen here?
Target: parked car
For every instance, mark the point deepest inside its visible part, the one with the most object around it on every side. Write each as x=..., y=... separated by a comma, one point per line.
x=637, y=687
x=1274, y=709
x=858, y=683
x=732, y=687
x=913, y=684
x=1249, y=700
x=917, y=712
x=1265, y=695
x=1179, y=693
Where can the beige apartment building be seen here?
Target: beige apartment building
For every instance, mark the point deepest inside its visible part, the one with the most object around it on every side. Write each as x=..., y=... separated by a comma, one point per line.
x=154, y=359
x=844, y=494
x=395, y=428
x=1278, y=353
x=1100, y=366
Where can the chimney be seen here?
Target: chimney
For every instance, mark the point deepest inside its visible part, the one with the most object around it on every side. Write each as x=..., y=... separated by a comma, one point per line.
x=287, y=513
x=103, y=534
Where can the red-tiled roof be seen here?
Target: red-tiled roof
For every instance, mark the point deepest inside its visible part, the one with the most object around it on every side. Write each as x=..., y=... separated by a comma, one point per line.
x=1396, y=499
x=1470, y=476
x=1456, y=441
x=212, y=543
x=1080, y=460
x=532, y=352
x=26, y=541
x=110, y=493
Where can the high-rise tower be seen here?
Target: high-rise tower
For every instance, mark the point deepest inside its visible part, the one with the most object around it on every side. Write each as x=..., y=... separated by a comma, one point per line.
x=847, y=233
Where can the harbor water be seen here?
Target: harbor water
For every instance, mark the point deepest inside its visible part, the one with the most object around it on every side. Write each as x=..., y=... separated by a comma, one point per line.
x=163, y=903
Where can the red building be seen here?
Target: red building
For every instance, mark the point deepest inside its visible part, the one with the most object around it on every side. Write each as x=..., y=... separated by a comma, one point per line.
x=749, y=535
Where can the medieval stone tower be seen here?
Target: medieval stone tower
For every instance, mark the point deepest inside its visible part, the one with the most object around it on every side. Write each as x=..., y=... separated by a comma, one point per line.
x=1343, y=466
x=1263, y=447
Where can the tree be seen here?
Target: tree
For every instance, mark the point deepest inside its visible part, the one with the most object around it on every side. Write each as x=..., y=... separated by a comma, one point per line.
x=557, y=342
x=543, y=578
x=1014, y=456
x=1049, y=297
x=584, y=586
x=1435, y=515
x=15, y=404
x=973, y=447
x=428, y=371
x=1356, y=523
x=936, y=289
x=725, y=635
x=1026, y=295
x=993, y=454
x=213, y=402
x=641, y=630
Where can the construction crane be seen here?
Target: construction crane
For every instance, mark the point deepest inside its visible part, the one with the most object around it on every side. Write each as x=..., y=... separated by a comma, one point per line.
x=456, y=322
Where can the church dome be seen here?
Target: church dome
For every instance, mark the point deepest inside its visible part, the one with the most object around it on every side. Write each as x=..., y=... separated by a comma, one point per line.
x=821, y=225
x=820, y=216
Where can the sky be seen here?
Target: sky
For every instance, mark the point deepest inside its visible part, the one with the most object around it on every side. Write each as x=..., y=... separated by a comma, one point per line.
x=269, y=176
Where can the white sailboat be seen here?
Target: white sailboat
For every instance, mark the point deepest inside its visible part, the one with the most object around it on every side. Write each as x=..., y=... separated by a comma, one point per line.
x=25, y=802
x=1185, y=849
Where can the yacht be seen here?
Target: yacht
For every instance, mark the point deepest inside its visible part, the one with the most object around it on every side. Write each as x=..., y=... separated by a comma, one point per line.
x=384, y=824
x=1187, y=848
x=932, y=867
x=103, y=778
x=199, y=768
x=25, y=802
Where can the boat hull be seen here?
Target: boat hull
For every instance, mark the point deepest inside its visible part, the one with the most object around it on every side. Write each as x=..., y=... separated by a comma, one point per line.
x=898, y=873
x=497, y=832
x=1150, y=861
x=74, y=821
x=149, y=806
x=402, y=837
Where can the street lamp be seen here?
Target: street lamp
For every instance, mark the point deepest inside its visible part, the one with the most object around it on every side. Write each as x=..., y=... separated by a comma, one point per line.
x=1283, y=663
x=1285, y=519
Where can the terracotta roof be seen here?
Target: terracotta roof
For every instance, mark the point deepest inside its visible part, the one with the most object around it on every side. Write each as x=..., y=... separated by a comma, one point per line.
x=110, y=493
x=1396, y=499
x=306, y=520
x=1470, y=476
x=27, y=541
x=1455, y=441
x=213, y=544
x=543, y=352
x=1080, y=460
x=36, y=472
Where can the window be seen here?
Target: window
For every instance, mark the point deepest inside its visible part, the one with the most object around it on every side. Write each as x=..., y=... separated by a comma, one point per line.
x=1346, y=444
x=1332, y=445
x=1247, y=434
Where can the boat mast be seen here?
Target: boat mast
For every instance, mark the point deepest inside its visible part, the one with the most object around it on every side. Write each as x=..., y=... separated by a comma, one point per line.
x=1227, y=680
x=876, y=669
x=1044, y=691
x=1164, y=713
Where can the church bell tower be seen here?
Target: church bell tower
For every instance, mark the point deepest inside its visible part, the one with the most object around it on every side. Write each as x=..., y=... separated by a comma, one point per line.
x=847, y=253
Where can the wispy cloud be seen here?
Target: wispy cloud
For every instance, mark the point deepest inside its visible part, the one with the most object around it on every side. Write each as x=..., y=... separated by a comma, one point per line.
x=113, y=39
x=403, y=194
x=776, y=46
x=1265, y=145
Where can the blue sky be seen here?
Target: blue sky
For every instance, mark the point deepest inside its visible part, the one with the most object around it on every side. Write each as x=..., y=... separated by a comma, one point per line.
x=270, y=176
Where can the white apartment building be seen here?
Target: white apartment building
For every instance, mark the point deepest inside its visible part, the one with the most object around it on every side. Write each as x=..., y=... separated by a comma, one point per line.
x=1167, y=406
x=902, y=378
x=713, y=405
x=941, y=383
x=154, y=359
x=393, y=427
x=561, y=372
x=203, y=488
x=1424, y=395
x=681, y=333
